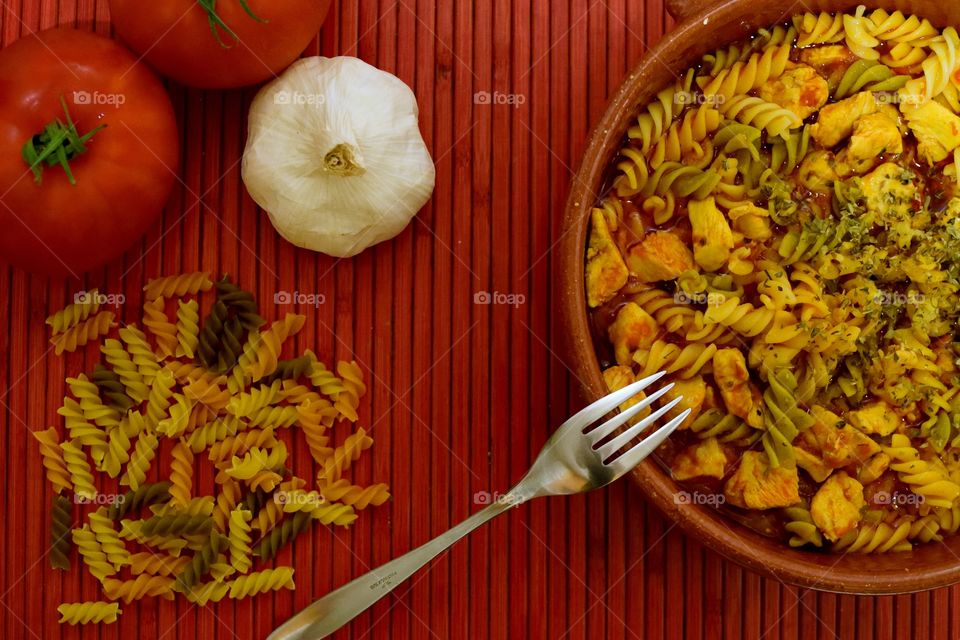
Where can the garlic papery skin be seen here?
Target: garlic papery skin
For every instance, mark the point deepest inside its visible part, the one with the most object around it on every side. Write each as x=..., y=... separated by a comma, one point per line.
x=335, y=157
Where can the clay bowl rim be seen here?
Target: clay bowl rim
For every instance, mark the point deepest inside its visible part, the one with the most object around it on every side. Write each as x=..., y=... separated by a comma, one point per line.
x=928, y=566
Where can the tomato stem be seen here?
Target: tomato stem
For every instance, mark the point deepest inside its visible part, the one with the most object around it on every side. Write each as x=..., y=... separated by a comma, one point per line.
x=217, y=24
x=57, y=144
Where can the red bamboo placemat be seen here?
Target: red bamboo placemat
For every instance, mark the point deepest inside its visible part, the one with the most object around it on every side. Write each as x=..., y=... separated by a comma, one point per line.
x=462, y=395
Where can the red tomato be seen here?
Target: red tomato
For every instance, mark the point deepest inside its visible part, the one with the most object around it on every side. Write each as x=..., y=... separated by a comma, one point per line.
x=122, y=179
x=176, y=37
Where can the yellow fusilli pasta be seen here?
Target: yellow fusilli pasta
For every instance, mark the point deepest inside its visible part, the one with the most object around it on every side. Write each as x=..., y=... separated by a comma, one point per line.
x=356, y=496
x=270, y=344
x=766, y=239
x=82, y=333
x=140, y=352
x=88, y=612
x=73, y=314
x=165, y=332
x=177, y=286
x=92, y=553
x=188, y=328
x=239, y=536
x=80, y=475
x=348, y=400
x=124, y=415
x=143, y=585
x=342, y=457
x=181, y=475
x=56, y=468
x=262, y=582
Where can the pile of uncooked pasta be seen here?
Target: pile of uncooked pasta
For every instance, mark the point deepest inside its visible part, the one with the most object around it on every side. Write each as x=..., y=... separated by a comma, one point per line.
x=167, y=398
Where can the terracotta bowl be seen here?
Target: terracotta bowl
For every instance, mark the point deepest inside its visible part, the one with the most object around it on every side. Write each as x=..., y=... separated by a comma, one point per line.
x=704, y=25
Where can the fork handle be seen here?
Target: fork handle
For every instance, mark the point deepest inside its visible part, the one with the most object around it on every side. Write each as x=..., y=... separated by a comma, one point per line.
x=337, y=608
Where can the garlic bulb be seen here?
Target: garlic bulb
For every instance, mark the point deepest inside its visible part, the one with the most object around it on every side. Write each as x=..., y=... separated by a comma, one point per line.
x=335, y=156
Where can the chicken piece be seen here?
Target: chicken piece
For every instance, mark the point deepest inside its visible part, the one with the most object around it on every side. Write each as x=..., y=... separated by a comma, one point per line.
x=706, y=459
x=800, y=90
x=741, y=397
x=874, y=468
x=819, y=170
x=616, y=378
x=606, y=270
x=851, y=447
x=836, y=506
x=835, y=443
x=711, y=400
x=757, y=485
x=937, y=130
x=812, y=464
x=632, y=329
x=712, y=237
x=876, y=418
x=894, y=115
x=660, y=256
x=889, y=192
x=694, y=394
x=836, y=120
x=832, y=61
x=952, y=213
x=751, y=221
x=873, y=135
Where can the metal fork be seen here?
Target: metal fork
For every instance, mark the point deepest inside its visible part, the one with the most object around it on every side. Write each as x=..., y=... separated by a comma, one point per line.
x=575, y=459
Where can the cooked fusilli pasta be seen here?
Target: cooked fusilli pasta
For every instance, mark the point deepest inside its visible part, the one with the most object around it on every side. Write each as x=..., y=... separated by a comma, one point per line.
x=780, y=235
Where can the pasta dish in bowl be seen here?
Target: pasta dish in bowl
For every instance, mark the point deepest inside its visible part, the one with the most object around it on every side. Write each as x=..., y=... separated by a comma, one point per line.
x=778, y=228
